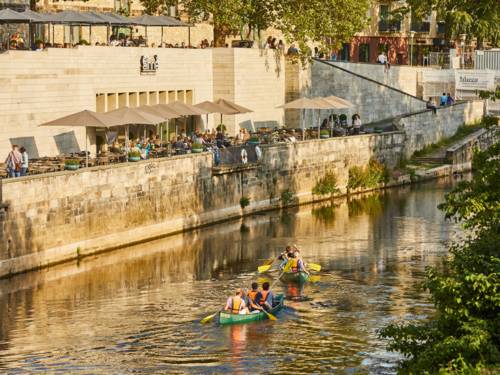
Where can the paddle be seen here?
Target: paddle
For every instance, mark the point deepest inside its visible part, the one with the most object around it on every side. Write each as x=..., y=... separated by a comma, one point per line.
x=314, y=267
x=209, y=318
x=266, y=266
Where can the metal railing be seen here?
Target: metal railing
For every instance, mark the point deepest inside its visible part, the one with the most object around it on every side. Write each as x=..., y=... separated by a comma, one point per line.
x=389, y=25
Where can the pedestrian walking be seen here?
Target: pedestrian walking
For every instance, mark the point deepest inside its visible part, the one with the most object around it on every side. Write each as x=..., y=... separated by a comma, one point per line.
x=14, y=162
x=24, y=161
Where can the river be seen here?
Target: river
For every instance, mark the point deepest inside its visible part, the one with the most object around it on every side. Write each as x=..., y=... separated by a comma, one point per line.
x=137, y=310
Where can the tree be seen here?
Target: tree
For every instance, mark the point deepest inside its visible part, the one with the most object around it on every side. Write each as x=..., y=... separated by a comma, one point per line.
x=325, y=22
x=477, y=19
x=464, y=336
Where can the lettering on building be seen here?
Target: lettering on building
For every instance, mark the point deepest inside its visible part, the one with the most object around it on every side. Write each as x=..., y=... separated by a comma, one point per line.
x=149, y=64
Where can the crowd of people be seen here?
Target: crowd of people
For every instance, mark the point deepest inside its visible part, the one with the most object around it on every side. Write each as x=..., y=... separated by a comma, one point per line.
x=255, y=300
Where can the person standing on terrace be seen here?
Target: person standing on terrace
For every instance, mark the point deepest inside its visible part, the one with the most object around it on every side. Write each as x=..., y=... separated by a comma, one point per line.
x=14, y=162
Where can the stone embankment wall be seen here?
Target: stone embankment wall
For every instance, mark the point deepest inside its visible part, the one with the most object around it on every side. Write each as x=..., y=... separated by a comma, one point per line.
x=372, y=100
x=60, y=216
x=426, y=127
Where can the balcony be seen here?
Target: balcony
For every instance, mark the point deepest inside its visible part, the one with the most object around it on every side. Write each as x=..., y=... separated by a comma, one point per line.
x=421, y=27
x=389, y=26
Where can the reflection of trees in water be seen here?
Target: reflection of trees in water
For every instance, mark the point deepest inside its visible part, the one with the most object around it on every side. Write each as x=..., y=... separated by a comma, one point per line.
x=325, y=212
x=370, y=205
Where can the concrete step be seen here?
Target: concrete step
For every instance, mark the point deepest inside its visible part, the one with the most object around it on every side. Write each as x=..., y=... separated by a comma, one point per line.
x=429, y=160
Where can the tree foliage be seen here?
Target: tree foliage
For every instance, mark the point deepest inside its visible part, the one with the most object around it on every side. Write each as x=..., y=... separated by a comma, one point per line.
x=464, y=336
x=477, y=19
x=325, y=22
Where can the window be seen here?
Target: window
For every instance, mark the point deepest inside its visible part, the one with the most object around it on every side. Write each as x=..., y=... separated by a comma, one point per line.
x=364, y=53
x=346, y=52
x=383, y=11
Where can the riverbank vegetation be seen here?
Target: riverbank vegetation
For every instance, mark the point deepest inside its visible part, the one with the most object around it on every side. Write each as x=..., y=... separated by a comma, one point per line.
x=326, y=185
x=367, y=177
x=464, y=335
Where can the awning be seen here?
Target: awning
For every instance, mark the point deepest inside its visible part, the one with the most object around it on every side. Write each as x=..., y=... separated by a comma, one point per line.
x=184, y=109
x=131, y=116
x=211, y=107
x=119, y=19
x=75, y=18
x=147, y=20
x=10, y=16
x=232, y=107
x=85, y=118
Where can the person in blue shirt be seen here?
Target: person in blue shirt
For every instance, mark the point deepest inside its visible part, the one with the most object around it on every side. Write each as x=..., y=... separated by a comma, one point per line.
x=443, y=99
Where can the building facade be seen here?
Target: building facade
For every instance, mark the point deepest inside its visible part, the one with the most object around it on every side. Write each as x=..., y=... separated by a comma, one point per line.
x=403, y=38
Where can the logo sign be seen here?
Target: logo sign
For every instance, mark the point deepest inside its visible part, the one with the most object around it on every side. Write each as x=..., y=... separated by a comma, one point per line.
x=474, y=80
x=149, y=65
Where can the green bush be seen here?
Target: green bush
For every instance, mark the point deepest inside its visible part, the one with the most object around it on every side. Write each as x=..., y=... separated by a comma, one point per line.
x=83, y=42
x=368, y=177
x=463, y=337
x=287, y=197
x=327, y=185
x=72, y=162
x=221, y=128
x=134, y=154
x=244, y=202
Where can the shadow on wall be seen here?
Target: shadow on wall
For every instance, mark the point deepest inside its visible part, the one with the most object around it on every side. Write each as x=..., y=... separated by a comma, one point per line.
x=67, y=143
x=28, y=143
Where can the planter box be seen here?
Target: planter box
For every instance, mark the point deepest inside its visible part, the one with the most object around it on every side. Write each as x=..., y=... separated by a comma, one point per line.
x=323, y=136
x=71, y=167
x=134, y=158
x=196, y=150
x=253, y=143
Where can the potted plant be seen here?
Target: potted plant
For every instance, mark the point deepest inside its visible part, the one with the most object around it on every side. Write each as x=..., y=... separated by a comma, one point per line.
x=134, y=155
x=254, y=140
x=324, y=134
x=196, y=148
x=221, y=128
x=71, y=164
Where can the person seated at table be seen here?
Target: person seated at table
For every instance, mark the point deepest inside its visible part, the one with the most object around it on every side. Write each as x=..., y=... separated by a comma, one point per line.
x=236, y=304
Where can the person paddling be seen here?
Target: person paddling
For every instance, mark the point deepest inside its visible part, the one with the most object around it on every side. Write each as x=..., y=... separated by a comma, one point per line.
x=266, y=297
x=236, y=304
x=252, y=298
x=297, y=264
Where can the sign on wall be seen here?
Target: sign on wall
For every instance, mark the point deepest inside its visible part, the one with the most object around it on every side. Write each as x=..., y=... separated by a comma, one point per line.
x=474, y=80
x=149, y=65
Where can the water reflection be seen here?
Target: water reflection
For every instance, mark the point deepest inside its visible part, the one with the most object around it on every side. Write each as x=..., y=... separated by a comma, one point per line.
x=137, y=310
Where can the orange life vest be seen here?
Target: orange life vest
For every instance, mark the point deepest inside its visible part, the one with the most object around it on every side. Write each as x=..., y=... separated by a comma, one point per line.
x=263, y=298
x=236, y=303
x=295, y=265
x=252, y=295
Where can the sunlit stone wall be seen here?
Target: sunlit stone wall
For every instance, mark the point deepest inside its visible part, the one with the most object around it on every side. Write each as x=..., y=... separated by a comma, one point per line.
x=55, y=217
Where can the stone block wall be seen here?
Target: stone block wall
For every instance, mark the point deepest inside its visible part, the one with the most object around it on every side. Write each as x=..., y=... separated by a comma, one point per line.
x=425, y=128
x=371, y=100
x=253, y=78
x=42, y=86
x=55, y=217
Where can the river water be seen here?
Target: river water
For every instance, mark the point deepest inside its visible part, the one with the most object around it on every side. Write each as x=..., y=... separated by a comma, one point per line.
x=137, y=310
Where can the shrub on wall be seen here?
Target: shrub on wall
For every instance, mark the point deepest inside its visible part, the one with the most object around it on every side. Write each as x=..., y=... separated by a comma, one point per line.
x=244, y=202
x=287, y=197
x=327, y=185
x=367, y=177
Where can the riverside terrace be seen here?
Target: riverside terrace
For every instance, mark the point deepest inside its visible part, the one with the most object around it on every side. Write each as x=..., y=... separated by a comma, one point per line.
x=226, y=149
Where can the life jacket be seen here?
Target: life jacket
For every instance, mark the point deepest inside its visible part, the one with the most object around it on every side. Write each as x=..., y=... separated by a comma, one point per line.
x=252, y=295
x=263, y=297
x=295, y=265
x=236, y=303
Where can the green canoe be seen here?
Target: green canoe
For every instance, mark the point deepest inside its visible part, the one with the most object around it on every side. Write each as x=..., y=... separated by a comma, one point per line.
x=228, y=318
x=294, y=277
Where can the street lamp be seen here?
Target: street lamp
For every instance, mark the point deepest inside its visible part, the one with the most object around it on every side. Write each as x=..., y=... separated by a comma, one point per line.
x=462, y=45
x=412, y=35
